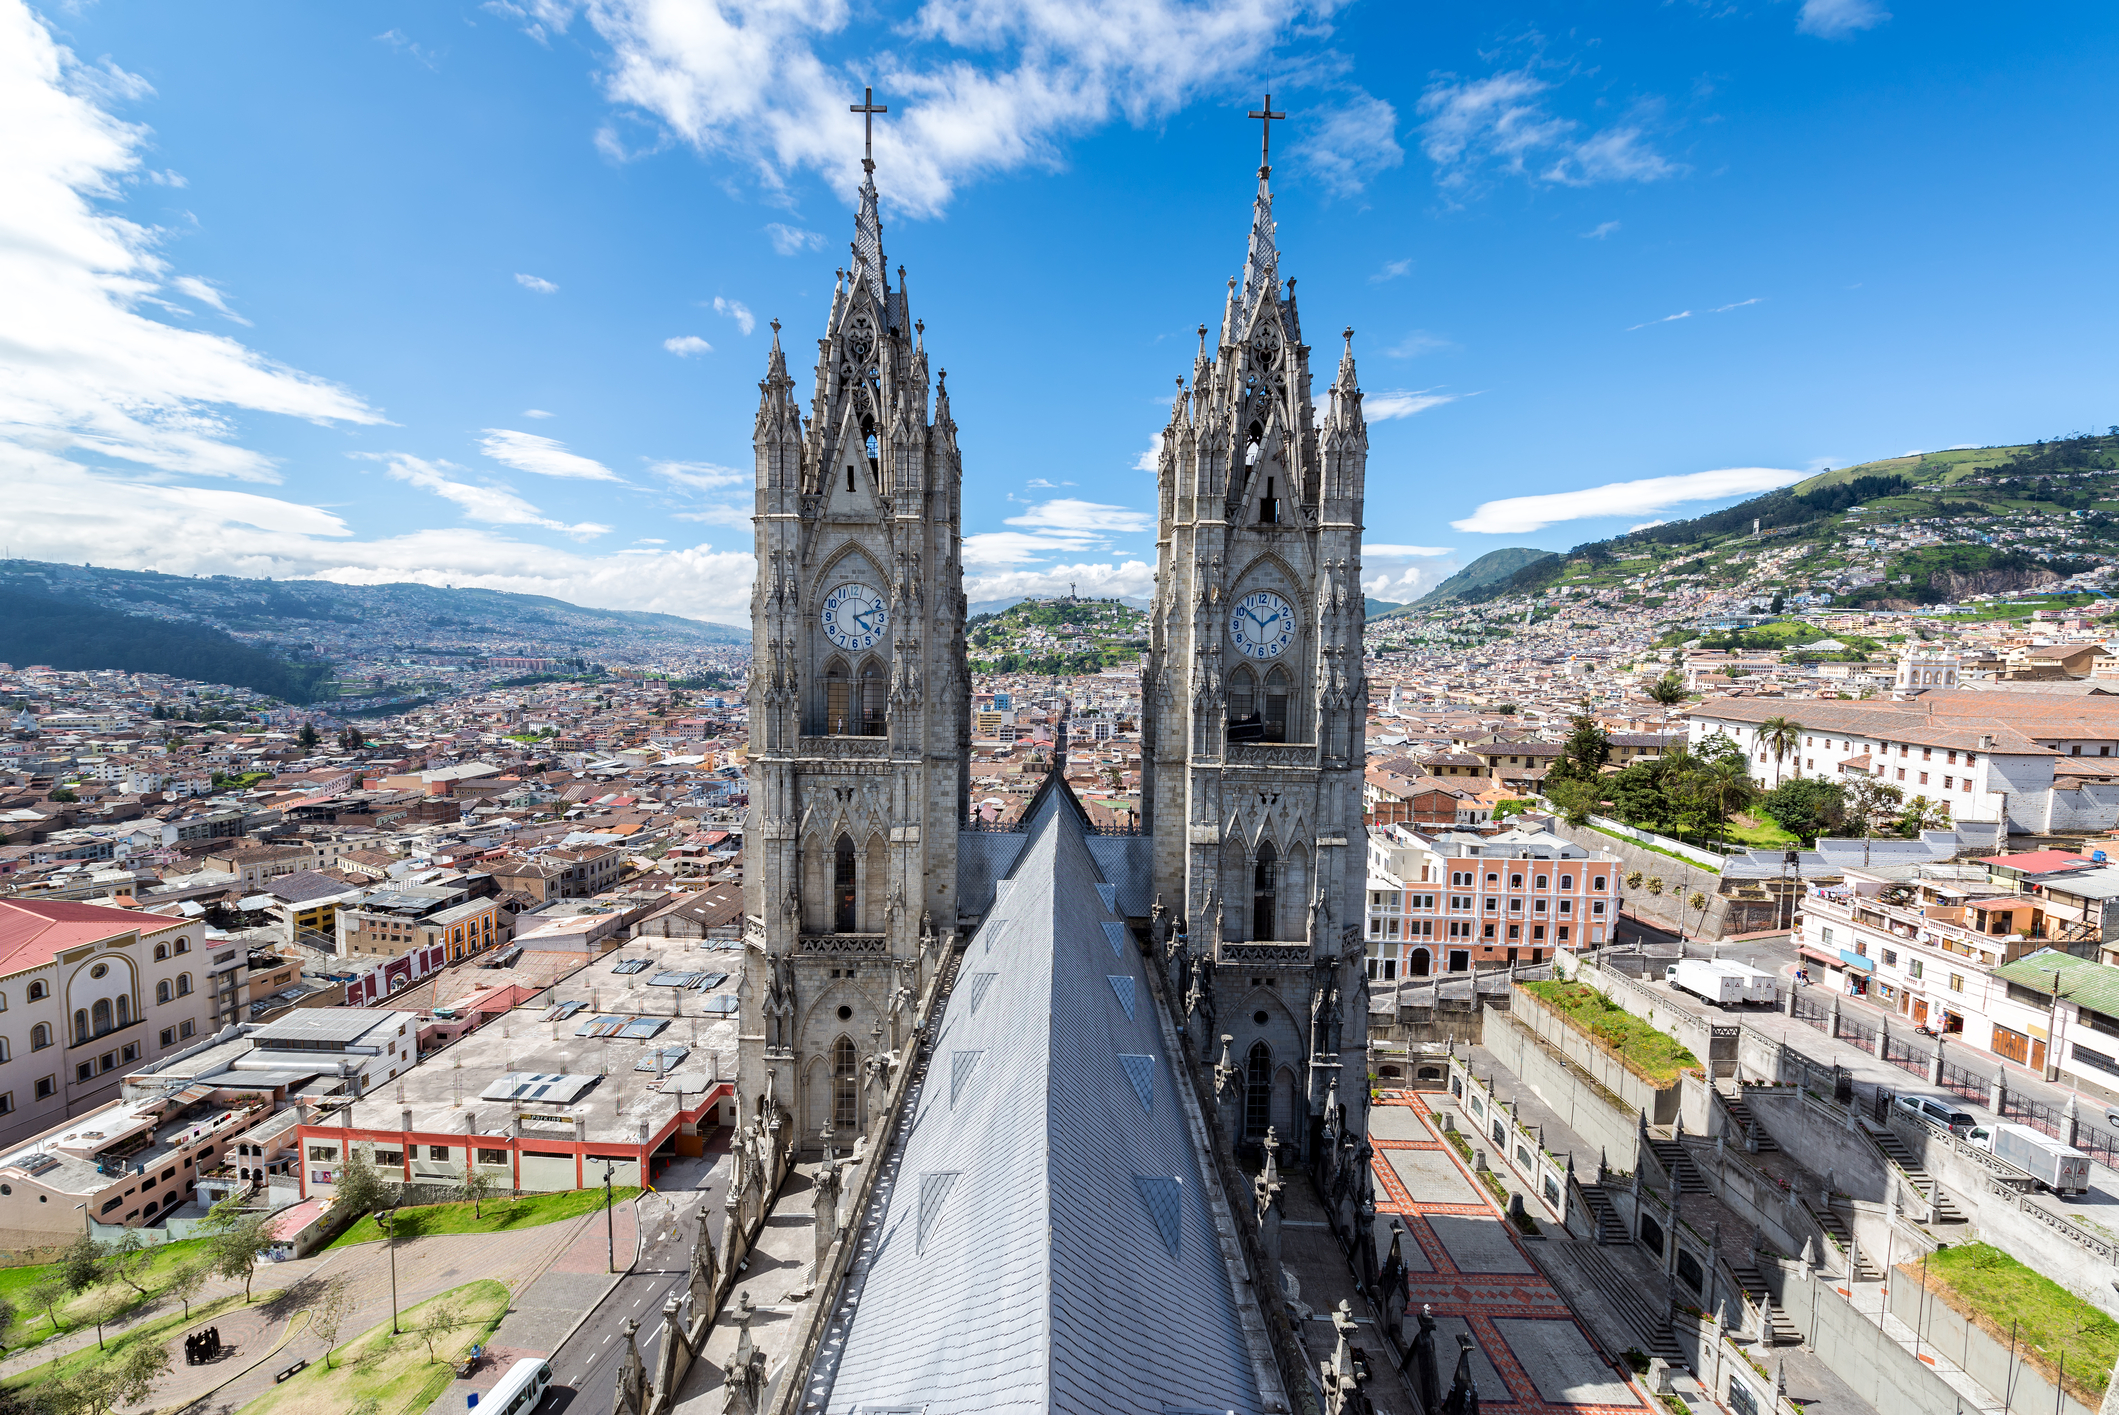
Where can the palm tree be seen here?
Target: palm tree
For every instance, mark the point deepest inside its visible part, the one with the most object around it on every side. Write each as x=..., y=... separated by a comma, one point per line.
x=1725, y=786
x=1780, y=736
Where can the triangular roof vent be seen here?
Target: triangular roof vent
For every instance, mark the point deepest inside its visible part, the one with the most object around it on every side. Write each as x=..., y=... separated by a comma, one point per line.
x=980, y=982
x=1122, y=984
x=961, y=1065
x=1116, y=934
x=1109, y=894
x=1165, y=1202
x=1141, y=1071
x=934, y=1188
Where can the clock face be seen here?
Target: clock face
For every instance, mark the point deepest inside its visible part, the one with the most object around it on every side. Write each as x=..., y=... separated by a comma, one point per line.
x=854, y=617
x=1262, y=625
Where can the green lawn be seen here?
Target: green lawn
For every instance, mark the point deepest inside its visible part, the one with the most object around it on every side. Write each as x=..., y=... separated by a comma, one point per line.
x=1762, y=830
x=161, y=1328
x=1995, y=1291
x=31, y=1326
x=490, y=1217
x=1654, y=1056
x=394, y=1371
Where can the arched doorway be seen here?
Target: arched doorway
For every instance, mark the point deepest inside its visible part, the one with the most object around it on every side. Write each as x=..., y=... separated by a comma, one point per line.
x=1265, y=891
x=843, y=897
x=1422, y=963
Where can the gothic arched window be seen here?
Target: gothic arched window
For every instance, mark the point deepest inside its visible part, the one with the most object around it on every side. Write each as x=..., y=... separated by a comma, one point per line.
x=38, y=991
x=81, y=1032
x=845, y=1086
x=124, y=1009
x=1243, y=694
x=1275, y=712
x=40, y=1036
x=843, y=897
x=162, y=991
x=838, y=700
x=1265, y=891
x=183, y=985
x=102, y=1015
x=1258, y=1090
x=161, y=952
x=871, y=699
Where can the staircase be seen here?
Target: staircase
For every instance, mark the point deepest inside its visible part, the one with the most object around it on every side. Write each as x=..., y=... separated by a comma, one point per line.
x=1924, y=1183
x=1747, y=1123
x=1636, y=1307
x=1678, y=1165
x=1754, y=1284
x=1610, y=1228
x=1836, y=1228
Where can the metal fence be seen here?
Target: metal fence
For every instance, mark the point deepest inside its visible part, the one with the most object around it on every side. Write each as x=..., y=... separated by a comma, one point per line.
x=2036, y=1114
x=2098, y=1143
x=1969, y=1085
x=1905, y=1056
x=1811, y=1012
x=1854, y=1033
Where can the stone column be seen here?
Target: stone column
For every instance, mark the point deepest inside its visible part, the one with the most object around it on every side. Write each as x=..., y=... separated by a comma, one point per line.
x=1935, y=1062
x=1998, y=1092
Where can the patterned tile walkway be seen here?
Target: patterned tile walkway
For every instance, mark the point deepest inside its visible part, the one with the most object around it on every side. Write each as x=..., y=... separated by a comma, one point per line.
x=1533, y=1355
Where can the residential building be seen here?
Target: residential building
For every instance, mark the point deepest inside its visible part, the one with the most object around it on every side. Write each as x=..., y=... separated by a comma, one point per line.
x=1454, y=903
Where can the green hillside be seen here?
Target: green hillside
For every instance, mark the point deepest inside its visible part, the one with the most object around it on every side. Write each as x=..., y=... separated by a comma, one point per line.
x=1493, y=568
x=2001, y=519
x=36, y=628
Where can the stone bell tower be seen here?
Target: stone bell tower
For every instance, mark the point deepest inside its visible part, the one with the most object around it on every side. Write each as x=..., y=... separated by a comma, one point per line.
x=1254, y=703
x=859, y=697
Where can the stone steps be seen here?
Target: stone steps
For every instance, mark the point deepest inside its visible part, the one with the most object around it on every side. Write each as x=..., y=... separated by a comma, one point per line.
x=1679, y=1166
x=1610, y=1228
x=1923, y=1183
x=1640, y=1311
x=1747, y=1123
x=1836, y=1227
x=1754, y=1284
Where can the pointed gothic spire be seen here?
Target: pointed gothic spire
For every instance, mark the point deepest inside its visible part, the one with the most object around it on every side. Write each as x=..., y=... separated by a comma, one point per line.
x=1261, y=269
x=868, y=237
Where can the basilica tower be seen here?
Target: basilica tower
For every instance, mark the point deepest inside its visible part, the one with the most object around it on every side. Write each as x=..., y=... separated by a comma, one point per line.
x=858, y=703
x=1254, y=701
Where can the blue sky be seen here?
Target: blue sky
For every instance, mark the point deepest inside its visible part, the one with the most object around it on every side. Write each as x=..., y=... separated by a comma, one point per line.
x=477, y=294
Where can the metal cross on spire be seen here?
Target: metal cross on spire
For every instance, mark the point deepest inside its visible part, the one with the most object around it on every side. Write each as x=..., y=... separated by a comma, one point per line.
x=1267, y=118
x=868, y=108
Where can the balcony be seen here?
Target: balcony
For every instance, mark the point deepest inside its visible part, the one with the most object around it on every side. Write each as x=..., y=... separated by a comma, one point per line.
x=869, y=944
x=1276, y=953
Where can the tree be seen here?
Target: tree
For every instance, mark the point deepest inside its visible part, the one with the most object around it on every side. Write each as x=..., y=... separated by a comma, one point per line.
x=46, y=1295
x=1654, y=886
x=185, y=1280
x=81, y=1263
x=1586, y=750
x=127, y=1259
x=308, y=736
x=1723, y=786
x=480, y=1184
x=235, y=1240
x=106, y=1307
x=360, y=1189
x=327, y=1315
x=1668, y=689
x=1868, y=803
x=1781, y=736
x=1922, y=814
x=1807, y=807
x=106, y=1385
x=1576, y=800
x=442, y=1318
x=1780, y=603
x=7, y=1319
x=1637, y=794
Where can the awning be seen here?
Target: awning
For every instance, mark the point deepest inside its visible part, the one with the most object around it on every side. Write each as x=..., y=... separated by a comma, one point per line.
x=1855, y=960
x=1823, y=960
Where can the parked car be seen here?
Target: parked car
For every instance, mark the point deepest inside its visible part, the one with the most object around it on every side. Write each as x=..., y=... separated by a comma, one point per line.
x=1938, y=1110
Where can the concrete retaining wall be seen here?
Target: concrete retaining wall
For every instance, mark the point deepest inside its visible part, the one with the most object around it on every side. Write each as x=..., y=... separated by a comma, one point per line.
x=1714, y=1043
x=1873, y=1365
x=1984, y=1359
x=1583, y=1105
x=1804, y=1128
x=1660, y=1102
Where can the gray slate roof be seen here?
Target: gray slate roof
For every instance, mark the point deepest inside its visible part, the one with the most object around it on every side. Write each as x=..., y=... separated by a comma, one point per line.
x=1047, y=1245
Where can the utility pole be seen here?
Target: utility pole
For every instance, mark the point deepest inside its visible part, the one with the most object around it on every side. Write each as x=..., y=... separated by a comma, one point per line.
x=610, y=1226
x=389, y=1218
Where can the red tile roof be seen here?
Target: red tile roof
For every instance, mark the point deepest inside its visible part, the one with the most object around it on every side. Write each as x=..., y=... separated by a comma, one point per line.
x=33, y=932
x=2039, y=862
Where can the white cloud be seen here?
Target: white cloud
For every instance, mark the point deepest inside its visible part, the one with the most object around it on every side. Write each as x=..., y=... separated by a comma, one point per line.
x=1502, y=121
x=403, y=43
x=1520, y=515
x=1419, y=342
x=535, y=284
x=491, y=503
x=793, y=240
x=61, y=511
x=1067, y=514
x=206, y=293
x=1133, y=577
x=702, y=476
x=1403, y=552
x=734, y=517
x=975, y=86
x=527, y=452
x=1383, y=406
x=1646, y=525
x=82, y=369
x=1836, y=19
x=537, y=413
x=684, y=346
x=1409, y=584
x=1150, y=460
x=1600, y=230
x=735, y=310
x=1392, y=270
x=1687, y=314
x=1348, y=145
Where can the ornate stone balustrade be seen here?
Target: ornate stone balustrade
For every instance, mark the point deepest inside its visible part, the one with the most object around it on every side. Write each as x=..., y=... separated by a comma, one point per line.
x=845, y=943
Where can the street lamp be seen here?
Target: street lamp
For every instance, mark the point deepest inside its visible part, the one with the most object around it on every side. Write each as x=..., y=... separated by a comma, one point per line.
x=610, y=1228
x=389, y=1222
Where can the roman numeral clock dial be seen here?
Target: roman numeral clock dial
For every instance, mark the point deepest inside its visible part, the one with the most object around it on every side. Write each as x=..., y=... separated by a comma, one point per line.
x=854, y=617
x=1262, y=625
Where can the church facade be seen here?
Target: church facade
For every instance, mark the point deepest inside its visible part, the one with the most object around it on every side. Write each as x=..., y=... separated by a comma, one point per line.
x=1249, y=877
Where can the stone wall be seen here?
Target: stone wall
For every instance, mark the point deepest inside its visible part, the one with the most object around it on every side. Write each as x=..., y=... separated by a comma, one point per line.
x=1806, y=1128
x=1583, y=1104
x=1871, y=1363
x=1984, y=1359
x=1660, y=1103
x=1713, y=1042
